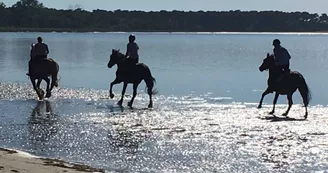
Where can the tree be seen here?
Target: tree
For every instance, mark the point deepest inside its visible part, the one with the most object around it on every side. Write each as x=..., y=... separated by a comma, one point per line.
x=28, y=3
x=78, y=7
x=2, y=5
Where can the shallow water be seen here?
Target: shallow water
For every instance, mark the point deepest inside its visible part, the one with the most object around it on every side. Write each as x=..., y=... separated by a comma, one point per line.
x=198, y=124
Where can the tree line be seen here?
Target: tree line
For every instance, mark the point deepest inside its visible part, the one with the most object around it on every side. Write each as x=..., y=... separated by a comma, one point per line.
x=31, y=15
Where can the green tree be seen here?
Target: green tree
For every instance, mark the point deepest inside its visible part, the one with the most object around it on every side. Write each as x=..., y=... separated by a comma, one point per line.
x=28, y=3
x=2, y=5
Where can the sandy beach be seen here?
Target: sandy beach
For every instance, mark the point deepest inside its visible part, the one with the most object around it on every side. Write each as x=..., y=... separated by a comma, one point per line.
x=21, y=162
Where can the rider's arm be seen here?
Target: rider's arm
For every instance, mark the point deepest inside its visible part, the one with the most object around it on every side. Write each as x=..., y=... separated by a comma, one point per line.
x=288, y=54
x=47, y=49
x=32, y=51
x=275, y=52
x=127, y=50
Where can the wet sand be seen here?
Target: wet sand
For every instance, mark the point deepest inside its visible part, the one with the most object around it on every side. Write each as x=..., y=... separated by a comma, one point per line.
x=21, y=162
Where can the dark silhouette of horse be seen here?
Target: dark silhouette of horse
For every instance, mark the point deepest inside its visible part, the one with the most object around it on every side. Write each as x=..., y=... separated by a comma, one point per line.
x=41, y=70
x=284, y=84
x=128, y=72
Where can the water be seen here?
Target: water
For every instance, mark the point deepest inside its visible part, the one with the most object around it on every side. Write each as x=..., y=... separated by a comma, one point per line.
x=204, y=117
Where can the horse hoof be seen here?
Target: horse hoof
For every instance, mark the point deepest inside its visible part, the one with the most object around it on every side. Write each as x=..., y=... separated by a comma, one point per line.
x=305, y=116
x=119, y=103
x=259, y=107
x=40, y=94
x=130, y=104
x=285, y=114
x=150, y=106
x=48, y=94
x=271, y=113
x=111, y=96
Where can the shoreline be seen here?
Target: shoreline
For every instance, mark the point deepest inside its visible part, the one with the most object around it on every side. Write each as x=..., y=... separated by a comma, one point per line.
x=18, y=161
x=97, y=30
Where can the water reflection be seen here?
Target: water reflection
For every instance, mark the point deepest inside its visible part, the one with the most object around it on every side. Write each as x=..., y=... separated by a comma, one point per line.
x=127, y=139
x=42, y=124
x=14, y=53
x=115, y=109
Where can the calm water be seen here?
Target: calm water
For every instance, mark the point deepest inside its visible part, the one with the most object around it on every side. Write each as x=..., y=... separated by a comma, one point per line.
x=204, y=117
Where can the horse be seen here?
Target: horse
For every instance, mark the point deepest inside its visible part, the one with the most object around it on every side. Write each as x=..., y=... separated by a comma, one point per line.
x=130, y=73
x=42, y=70
x=285, y=84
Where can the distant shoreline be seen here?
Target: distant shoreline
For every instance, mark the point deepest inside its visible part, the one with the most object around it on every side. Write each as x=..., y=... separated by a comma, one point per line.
x=69, y=30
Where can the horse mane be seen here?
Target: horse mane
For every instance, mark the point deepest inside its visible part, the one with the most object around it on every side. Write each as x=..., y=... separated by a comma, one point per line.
x=119, y=54
x=270, y=55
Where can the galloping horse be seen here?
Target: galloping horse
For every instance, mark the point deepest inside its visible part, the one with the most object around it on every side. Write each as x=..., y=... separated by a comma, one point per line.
x=42, y=70
x=286, y=85
x=130, y=73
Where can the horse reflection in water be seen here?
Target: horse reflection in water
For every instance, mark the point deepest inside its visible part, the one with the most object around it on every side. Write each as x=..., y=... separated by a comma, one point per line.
x=42, y=124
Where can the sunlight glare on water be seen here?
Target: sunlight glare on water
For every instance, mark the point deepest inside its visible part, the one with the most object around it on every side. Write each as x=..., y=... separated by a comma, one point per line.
x=181, y=134
x=205, y=116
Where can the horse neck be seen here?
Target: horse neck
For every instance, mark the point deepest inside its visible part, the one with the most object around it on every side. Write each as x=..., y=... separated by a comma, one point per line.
x=121, y=61
x=273, y=72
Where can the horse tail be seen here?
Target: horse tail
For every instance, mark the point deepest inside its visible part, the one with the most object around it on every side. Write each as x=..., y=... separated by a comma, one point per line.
x=57, y=79
x=150, y=82
x=305, y=92
x=54, y=75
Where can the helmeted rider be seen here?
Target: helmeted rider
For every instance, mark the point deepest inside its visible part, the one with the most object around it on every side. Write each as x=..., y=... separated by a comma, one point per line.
x=282, y=56
x=39, y=52
x=132, y=50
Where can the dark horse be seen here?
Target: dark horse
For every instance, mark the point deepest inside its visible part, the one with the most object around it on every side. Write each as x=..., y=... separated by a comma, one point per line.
x=130, y=73
x=285, y=85
x=41, y=70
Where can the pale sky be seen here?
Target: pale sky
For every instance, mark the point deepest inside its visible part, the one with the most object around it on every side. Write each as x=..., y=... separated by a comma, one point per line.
x=313, y=6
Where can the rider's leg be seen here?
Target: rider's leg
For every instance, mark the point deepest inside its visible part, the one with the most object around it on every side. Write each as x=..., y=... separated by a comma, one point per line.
x=29, y=67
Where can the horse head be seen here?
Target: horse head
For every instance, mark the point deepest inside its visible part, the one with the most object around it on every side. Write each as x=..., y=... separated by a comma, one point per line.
x=115, y=58
x=268, y=63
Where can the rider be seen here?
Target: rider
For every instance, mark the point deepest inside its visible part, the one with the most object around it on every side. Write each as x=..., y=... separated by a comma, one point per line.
x=282, y=56
x=39, y=52
x=132, y=50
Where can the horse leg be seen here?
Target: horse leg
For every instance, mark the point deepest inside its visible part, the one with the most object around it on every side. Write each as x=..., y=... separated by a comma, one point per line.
x=306, y=96
x=116, y=81
x=290, y=103
x=54, y=82
x=48, y=87
x=274, y=103
x=266, y=92
x=135, y=86
x=39, y=83
x=36, y=88
x=150, y=85
x=123, y=93
x=306, y=112
x=150, y=93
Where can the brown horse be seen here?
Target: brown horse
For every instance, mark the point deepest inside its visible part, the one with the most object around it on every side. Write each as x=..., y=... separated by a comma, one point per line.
x=42, y=70
x=285, y=85
x=130, y=73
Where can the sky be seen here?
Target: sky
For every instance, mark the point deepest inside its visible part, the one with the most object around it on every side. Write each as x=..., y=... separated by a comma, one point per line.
x=313, y=6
